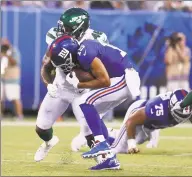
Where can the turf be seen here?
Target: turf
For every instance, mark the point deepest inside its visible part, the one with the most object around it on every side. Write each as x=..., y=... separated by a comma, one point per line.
x=173, y=157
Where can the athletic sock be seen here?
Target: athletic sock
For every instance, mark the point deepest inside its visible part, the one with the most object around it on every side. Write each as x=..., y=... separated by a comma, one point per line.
x=110, y=140
x=93, y=120
x=99, y=138
x=104, y=130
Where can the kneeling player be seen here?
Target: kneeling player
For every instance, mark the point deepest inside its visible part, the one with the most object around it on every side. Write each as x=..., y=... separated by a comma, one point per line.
x=143, y=117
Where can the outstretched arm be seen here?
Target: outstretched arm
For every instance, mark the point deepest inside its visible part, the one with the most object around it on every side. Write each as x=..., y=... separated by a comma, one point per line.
x=137, y=118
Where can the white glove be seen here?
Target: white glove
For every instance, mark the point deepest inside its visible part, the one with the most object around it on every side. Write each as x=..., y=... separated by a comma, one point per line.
x=132, y=147
x=72, y=80
x=52, y=90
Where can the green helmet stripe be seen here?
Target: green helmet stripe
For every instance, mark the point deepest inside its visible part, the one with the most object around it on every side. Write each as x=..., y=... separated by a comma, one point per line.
x=78, y=27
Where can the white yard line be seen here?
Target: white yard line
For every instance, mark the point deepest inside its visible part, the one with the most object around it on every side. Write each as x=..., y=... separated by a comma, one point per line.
x=86, y=162
x=74, y=124
x=175, y=138
x=68, y=154
x=182, y=155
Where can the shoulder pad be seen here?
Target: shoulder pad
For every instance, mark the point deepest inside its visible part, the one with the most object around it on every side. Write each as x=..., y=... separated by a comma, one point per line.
x=51, y=35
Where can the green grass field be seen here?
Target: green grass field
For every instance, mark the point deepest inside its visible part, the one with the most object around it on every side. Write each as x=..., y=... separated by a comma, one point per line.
x=173, y=157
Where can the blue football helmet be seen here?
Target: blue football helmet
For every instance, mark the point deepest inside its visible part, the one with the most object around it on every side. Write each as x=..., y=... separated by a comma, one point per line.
x=179, y=114
x=177, y=96
x=63, y=52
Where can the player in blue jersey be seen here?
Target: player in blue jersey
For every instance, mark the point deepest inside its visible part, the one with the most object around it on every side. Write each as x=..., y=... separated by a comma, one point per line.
x=74, y=22
x=115, y=81
x=143, y=117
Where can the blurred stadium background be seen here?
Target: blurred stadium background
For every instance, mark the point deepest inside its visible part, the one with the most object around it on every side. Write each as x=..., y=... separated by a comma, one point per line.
x=138, y=27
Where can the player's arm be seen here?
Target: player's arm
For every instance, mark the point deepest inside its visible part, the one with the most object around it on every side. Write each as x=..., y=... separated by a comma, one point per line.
x=46, y=69
x=88, y=60
x=137, y=118
x=101, y=76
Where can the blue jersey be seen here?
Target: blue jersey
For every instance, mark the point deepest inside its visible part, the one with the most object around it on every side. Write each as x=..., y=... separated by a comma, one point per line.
x=158, y=111
x=114, y=59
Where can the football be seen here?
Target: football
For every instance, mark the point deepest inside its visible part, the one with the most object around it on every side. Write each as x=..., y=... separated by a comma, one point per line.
x=83, y=76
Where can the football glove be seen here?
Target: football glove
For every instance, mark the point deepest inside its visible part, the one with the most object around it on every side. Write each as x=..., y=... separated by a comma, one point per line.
x=52, y=90
x=132, y=147
x=72, y=79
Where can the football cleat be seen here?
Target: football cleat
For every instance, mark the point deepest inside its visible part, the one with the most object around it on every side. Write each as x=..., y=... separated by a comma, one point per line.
x=45, y=148
x=78, y=142
x=109, y=164
x=99, y=149
x=101, y=158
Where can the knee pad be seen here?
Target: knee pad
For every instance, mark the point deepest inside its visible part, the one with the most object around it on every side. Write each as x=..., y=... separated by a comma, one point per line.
x=45, y=135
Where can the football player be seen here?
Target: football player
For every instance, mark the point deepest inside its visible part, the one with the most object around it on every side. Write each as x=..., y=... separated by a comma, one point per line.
x=141, y=137
x=142, y=133
x=115, y=81
x=77, y=26
x=74, y=22
x=144, y=117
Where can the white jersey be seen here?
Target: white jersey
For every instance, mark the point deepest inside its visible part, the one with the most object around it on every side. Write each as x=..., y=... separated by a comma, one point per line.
x=89, y=34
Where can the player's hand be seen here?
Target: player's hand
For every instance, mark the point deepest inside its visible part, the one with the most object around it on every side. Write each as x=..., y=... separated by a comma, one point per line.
x=133, y=150
x=72, y=79
x=132, y=147
x=52, y=90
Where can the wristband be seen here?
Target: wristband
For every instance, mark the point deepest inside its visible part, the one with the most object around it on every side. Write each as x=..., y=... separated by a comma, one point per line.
x=131, y=143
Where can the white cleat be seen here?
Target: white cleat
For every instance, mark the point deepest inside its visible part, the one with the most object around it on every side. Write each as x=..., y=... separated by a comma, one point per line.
x=78, y=142
x=45, y=148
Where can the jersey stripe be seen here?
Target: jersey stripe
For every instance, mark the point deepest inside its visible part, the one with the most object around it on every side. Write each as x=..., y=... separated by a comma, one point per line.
x=120, y=135
x=120, y=88
x=184, y=92
x=106, y=91
x=58, y=40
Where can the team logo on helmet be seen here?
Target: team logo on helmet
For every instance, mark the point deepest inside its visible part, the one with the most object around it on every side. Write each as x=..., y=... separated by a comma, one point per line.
x=63, y=54
x=78, y=19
